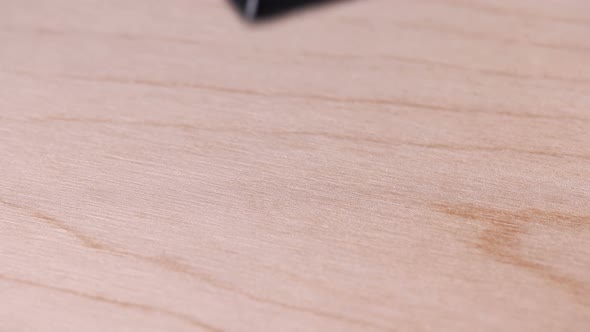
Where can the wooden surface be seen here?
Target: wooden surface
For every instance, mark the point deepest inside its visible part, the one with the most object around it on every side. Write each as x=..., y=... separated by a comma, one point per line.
x=368, y=166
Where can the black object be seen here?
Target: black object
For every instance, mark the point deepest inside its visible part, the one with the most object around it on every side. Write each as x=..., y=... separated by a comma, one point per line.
x=260, y=9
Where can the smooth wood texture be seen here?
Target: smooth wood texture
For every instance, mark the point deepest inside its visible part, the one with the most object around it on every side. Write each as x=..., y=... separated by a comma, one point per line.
x=368, y=166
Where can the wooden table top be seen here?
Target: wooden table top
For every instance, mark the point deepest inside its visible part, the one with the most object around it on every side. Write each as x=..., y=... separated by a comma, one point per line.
x=385, y=165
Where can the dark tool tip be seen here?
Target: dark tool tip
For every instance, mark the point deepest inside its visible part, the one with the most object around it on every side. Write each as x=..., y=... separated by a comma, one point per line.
x=261, y=9
x=248, y=8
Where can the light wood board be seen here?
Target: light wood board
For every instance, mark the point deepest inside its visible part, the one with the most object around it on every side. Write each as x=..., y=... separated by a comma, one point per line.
x=367, y=166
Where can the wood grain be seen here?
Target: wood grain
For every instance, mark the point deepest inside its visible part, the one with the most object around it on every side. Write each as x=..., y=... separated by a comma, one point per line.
x=380, y=165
